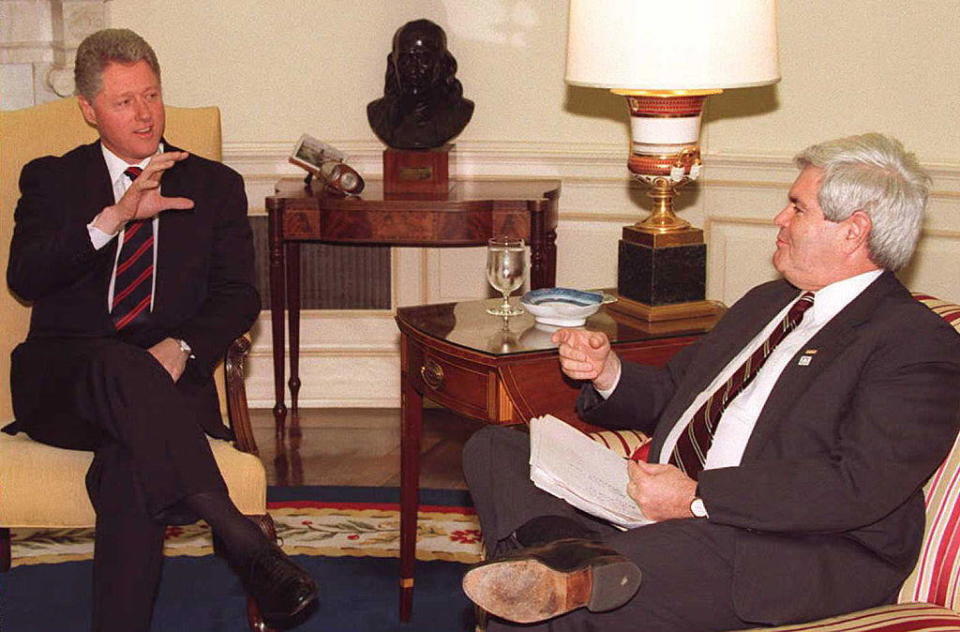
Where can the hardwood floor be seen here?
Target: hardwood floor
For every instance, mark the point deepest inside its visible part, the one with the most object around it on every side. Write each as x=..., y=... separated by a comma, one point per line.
x=361, y=447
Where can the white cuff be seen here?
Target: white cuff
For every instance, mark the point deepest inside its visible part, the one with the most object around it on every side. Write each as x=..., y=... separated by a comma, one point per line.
x=98, y=238
x=607, y=392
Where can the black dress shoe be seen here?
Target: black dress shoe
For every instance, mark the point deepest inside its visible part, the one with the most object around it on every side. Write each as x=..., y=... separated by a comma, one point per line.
x=283, y=591
x=539, y=583
x=550, y=528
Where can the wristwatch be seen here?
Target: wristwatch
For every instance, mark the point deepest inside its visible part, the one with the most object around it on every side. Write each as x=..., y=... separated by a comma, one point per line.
x=185, y=348
x=697, y=508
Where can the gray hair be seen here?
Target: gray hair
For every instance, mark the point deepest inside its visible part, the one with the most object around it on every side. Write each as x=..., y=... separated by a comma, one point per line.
x=105, y=47
x=873, y=173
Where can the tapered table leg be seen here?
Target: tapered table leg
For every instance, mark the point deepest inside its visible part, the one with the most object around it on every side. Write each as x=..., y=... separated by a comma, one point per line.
x=543, y=250
x=411, y=410
x=277, y=302
x=293, y=319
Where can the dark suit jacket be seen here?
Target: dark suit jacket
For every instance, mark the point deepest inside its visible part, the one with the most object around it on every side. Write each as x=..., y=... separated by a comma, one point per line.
x=204, y=274
x=827, y=499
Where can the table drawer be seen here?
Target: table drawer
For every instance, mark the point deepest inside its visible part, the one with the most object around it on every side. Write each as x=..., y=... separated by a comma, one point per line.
x=465, y=387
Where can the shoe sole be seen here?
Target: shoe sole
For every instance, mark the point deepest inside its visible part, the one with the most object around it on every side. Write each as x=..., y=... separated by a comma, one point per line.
x=527, y=591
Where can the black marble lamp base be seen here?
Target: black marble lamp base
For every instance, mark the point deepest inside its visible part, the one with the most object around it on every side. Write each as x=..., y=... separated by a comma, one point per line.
x=662, y=281
x=662, y=276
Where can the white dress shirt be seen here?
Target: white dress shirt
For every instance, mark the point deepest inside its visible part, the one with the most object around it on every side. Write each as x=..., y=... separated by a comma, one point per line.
x=116, y=166
x=737, y=421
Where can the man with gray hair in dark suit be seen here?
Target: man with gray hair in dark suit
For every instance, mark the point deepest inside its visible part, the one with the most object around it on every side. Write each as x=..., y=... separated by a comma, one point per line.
x=789, y=445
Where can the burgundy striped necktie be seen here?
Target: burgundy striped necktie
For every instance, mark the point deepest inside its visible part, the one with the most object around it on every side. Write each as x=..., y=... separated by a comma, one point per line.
x=133, y=279
x=690, y=453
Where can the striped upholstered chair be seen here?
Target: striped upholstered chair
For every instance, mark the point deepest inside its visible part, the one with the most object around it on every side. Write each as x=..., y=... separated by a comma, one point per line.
x=929, y=600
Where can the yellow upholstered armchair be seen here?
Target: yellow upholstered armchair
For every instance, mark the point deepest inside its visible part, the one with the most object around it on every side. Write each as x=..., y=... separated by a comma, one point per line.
x=42, y=486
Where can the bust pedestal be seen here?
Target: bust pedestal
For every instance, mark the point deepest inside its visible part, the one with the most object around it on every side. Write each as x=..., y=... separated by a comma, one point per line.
x=423, y=171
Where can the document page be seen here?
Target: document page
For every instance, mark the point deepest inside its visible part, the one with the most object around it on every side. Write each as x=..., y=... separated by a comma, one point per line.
x=568, y=464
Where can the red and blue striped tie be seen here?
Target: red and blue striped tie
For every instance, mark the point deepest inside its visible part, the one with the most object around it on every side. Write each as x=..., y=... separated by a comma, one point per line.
x=690, y=453
x=133, y=279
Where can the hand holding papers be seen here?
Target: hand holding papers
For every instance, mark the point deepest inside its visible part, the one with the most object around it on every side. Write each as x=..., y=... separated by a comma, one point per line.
x=570, y=465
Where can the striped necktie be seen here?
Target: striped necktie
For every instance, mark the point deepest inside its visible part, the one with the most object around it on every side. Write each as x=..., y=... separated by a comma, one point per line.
x=690, y=453
x=133, y=278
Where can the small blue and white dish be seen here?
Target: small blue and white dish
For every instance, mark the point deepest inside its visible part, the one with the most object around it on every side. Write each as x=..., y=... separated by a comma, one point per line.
x=563, y=307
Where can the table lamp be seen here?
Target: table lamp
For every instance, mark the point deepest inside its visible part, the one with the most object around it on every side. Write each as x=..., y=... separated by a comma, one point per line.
x=666, y=58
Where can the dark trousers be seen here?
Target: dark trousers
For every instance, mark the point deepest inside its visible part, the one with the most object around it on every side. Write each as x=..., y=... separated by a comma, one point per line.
x=686, y=564
x=150, y=452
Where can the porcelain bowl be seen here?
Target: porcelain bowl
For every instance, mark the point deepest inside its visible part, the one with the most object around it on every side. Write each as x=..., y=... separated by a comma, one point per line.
x=563, y=307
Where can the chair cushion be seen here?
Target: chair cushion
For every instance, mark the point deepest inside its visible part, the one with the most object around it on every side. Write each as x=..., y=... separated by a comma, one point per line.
x=42, y=486
x=904, y=617
x=936, y=577
x=949, y=312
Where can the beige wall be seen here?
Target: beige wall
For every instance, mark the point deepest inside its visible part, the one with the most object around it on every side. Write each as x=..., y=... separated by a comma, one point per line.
x=279, y=68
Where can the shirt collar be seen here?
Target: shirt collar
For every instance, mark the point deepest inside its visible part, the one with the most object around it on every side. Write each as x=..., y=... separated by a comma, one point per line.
x=829, y=300
x=116, y=165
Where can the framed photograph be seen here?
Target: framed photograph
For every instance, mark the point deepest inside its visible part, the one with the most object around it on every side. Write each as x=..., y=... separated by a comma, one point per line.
x=310, y=154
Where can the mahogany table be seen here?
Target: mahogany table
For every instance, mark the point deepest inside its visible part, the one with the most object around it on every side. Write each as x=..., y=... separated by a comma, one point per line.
x=471, y=213
x=457, y=355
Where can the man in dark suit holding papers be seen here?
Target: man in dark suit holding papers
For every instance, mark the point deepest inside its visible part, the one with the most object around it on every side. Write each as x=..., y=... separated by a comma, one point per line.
x=789, y=445
x=138, y=261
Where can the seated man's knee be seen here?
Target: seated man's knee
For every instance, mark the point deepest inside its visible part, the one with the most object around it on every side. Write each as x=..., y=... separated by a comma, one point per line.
x=493, y=443
x=488, y=440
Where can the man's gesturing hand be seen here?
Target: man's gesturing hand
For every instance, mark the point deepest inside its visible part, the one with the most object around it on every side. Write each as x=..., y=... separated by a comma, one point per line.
x=586, y=355
x=142, y=199
x=661, y=491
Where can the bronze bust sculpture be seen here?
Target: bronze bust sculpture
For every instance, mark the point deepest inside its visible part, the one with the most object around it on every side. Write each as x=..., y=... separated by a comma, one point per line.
x=422, y=105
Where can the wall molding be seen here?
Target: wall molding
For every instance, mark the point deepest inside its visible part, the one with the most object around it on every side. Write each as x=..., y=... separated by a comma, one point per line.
x=602, y=165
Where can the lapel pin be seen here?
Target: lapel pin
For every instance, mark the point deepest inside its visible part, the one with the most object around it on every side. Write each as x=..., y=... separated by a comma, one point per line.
x=807, y=357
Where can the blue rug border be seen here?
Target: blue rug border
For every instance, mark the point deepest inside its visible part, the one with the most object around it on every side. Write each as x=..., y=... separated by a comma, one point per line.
x=341, y=493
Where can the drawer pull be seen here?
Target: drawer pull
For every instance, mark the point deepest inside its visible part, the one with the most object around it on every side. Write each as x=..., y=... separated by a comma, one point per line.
x=432, y=374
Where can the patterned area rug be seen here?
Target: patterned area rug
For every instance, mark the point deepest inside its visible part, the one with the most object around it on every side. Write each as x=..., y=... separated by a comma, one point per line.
x=326, y=521
x=346, y=537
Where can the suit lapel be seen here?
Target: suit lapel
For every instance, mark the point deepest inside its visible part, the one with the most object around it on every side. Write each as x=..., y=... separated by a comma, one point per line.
x=830, y=343
x=99, y=187
x=98, y=191
x=171, y=228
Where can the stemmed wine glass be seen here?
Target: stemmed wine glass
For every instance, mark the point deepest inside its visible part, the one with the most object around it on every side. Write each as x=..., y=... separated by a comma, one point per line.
x=506, y=264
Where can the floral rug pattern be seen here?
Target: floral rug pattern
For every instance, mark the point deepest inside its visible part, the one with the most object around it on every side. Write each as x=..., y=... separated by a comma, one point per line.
x=304, y=527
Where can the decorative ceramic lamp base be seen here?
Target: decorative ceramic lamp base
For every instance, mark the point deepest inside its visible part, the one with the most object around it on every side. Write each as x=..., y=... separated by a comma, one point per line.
x=661, y=271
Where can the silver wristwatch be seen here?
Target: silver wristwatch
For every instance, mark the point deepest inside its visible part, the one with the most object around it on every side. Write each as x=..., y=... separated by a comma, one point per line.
x=697, y=508
x=185, y=348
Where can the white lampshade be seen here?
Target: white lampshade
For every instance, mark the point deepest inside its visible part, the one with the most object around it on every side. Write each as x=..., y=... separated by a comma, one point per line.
x=672, y=44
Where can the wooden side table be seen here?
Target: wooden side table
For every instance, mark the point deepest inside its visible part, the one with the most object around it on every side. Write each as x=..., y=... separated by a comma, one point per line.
x=457, y=355
x=471, y=213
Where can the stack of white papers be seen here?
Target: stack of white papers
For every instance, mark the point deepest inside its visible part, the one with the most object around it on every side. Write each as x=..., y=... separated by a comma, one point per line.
x=572, y=466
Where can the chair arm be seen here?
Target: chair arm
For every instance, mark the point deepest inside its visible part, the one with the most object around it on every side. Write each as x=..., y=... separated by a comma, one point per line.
x=238, y=414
